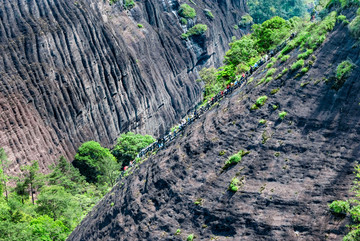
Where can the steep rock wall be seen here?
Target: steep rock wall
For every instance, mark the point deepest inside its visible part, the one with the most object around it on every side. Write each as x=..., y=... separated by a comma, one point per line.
x=295, y=167
x=73, y=71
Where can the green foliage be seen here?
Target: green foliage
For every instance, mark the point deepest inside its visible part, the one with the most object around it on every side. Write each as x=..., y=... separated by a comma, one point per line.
x=129, y=4
x=343, y=70
x=270, y=72
x=306, y=54
x=262, y=121
x=212, y=86
x=341, y=18
x=268, y=79
x=236, y=27
x=140, y=25
x=241, y=51
x=274, y=91
x=198, y=29
x=354, y=26
x=55, y=202
x=282, y=115
x=209, y=14
x=285, y=71
x=339, y=207
x=186, y=11
x=221, y=153
x=284, y=58
x=245, y=21
x=297, y=65
x=262, y=10
x=129, y=145
x=64, y=174
x=304, y=70
x=275, y=107
x=88, y=159
x=269, y=65
x=343, y=3
x=270, y=33
x=261, y=100
x=234, y=159
x=236, y=183
x=183, y=21
x=190, y=237
x=178, y=231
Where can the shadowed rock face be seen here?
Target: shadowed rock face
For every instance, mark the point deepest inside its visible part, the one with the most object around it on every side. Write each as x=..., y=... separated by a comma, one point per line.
x=295, y=166
x=73, y=71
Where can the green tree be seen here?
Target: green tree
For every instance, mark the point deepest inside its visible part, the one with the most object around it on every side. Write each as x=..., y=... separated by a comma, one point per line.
x=128, y=146
x=262, y=10
x=54, y=201
x=46, y=229
x=4, y=165
x=32, y=179
x=110, y=171
x=88, y=159
x=270, y=33
x=66, y=175
x=212, y=86
x=241, y=51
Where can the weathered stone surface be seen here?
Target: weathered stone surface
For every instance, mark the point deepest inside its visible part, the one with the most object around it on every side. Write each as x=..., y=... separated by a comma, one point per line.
x=73, y=71
x=295, y=168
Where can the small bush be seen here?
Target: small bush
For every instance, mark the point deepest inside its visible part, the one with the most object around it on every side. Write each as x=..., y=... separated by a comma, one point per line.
x=140, y=25
x=186, y=11
x=198, y=29
x=190, y=237
x=234, y=185
x=270, y=72
x=178, y=231
x=269, y=65
x=262, y=121
x=209, y=14
x=236, y=27
x=339, y=207
x=354, y=27
x=235, y=159
x=343, y=70
x=274, y=91
x=297, y=65
x=268, y=79
x=282, y=115
x=341, y=18
x=183, y=21
x=275, y=107
x=304, y=70
x=254, y=107
x=306, y=54
x=245, y=21
x=221, y=153
x=129, y=4
x=284, y=58
x=355, y=213
x=284, y=71
x=261, y=100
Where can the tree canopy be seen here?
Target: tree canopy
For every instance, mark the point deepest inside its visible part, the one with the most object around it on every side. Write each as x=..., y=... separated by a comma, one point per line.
x=88, y=159
x=128, y=146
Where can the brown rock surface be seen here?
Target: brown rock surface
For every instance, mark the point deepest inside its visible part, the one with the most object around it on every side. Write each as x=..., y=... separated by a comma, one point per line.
x=73, y=71
x=296, y=166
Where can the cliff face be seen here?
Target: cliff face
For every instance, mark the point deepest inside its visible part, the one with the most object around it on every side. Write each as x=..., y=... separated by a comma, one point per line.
x=73, y=71
x=296, y=166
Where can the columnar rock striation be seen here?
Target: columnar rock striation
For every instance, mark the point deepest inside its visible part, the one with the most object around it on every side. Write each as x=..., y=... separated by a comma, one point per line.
x=73, y=71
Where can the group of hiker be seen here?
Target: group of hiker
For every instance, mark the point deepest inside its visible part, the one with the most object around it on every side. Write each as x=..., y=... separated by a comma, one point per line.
x=239, y=80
